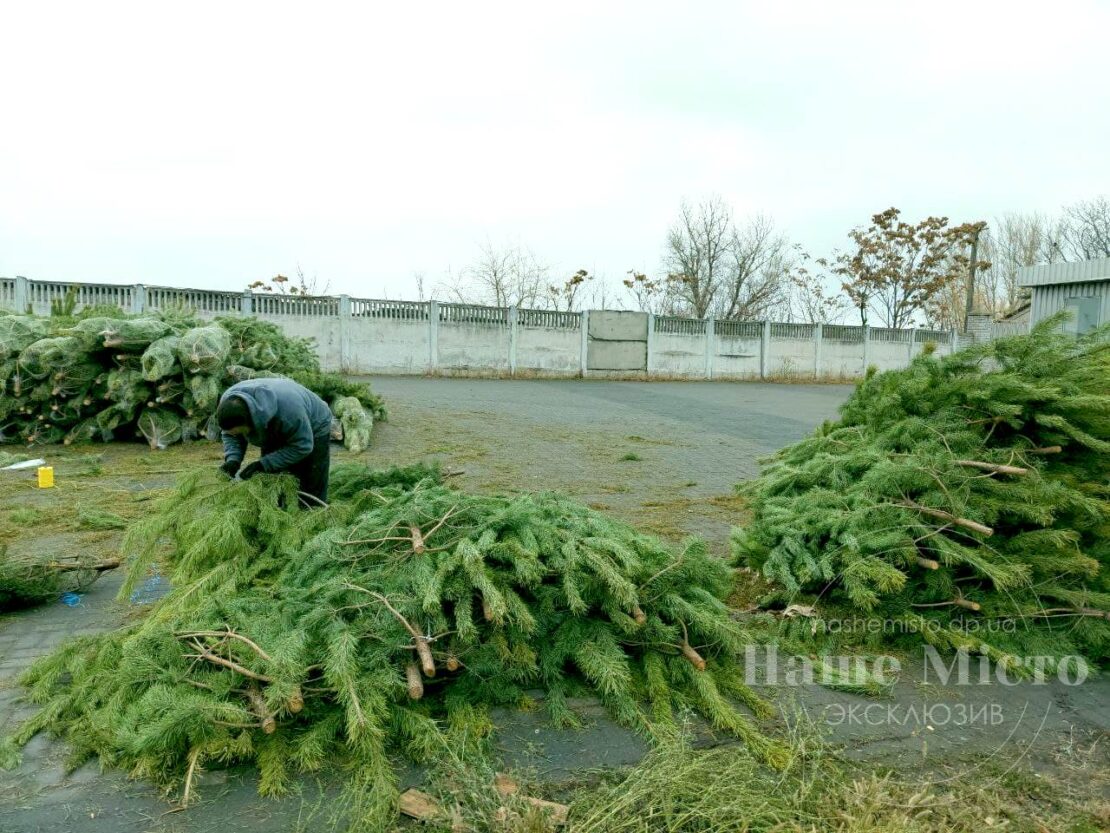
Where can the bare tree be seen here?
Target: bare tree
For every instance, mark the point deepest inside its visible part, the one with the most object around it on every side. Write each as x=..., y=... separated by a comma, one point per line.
x=755, y=284
x=504, y=277
x=602, y=295
x=1013, y=241
x=1084, y=230
x=810, y=298
x=699, y=253
x=716, y=267
x=418, y=278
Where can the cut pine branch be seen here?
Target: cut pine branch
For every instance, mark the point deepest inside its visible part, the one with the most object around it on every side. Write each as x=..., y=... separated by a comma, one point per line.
x=414, y=680
x=258, y=706
x=696, y=659
x=975, y=526
x=228, y=634
x=417, y=540
x=295, y=703
x=99, y=566
x=958, y=602
x=996, y=468
x=419, y=640
x=928, y=563
x=205, y=653
x=689, y=652
x=1071, y=611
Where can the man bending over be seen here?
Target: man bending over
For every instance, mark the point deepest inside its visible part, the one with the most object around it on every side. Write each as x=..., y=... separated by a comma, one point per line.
x=290, y=423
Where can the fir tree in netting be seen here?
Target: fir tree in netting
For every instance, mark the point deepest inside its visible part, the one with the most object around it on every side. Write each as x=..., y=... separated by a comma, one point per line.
x=360, y=631
x=964, y=500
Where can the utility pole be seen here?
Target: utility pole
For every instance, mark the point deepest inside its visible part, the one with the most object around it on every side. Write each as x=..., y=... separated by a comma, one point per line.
x=971, y=275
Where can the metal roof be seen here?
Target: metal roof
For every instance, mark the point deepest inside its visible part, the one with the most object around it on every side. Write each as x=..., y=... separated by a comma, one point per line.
x=1081, y=271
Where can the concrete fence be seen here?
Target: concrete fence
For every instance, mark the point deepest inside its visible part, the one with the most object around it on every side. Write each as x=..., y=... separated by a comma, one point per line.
x=363, y=336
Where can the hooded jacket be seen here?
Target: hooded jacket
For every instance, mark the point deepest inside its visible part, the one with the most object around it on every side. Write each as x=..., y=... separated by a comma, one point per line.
x=287, y=419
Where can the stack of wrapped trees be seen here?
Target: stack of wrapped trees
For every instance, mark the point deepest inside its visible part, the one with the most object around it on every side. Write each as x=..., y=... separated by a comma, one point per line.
x=107, y=377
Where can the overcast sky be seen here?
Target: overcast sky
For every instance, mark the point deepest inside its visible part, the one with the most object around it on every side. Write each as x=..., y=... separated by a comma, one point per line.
x=212, y=144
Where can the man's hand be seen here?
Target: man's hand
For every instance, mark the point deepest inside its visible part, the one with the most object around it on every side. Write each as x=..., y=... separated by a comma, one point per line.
x=251, y=470
x=230, y=467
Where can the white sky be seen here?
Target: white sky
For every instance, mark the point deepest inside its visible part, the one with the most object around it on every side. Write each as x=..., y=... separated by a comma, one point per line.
x=212, y=144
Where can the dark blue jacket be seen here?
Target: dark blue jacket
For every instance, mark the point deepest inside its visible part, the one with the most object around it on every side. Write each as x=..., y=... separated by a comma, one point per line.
x=287, y=421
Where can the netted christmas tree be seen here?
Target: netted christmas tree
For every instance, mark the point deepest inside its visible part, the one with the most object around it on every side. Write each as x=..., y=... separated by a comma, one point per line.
x=361, y=631
x=100, y=376
x=963, y=500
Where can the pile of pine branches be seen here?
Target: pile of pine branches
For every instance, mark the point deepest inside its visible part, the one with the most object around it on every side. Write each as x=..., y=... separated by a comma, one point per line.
x=103, y=375
x=28, y=579
x=372, y=627
x=964, y=500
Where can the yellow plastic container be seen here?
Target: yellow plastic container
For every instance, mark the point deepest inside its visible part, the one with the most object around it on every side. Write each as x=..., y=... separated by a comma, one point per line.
x=46, y=477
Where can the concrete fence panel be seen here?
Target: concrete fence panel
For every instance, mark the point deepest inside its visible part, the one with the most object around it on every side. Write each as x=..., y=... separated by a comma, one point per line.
x=388, y=345
x=792, y=351
x=549, y=342
x=473, y=338
x=738, y=350
x=617, y=341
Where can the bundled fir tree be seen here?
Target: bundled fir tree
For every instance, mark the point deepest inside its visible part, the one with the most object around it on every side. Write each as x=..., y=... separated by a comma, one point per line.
x=103, y=375
x=964, y=500
x=359, y=631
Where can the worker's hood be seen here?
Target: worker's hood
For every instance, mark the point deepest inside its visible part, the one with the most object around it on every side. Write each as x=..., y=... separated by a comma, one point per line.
x=262, y=406
x=282, y=400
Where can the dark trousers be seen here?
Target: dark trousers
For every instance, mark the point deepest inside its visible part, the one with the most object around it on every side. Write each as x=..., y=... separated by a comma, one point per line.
x=313, y=472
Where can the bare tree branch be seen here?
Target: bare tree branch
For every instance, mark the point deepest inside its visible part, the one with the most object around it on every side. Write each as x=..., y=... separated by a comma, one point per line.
x=504, y=277
x=1084, y=230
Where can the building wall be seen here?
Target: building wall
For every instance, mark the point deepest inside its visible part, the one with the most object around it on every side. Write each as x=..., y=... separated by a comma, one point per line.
x=1050, y=299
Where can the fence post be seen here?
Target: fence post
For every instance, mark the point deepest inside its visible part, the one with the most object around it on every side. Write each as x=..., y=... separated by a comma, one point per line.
x=344, y=334
x=650, y=364
x=710, y=347
x=138, y=298
x=514, y=316
x=913, y=338
x=585, y=341
x=866, y=347
x=433, y=335
x=246, y=304
x=818, y=339
x=765, y=350
x=953, y=340
x=22, y=294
